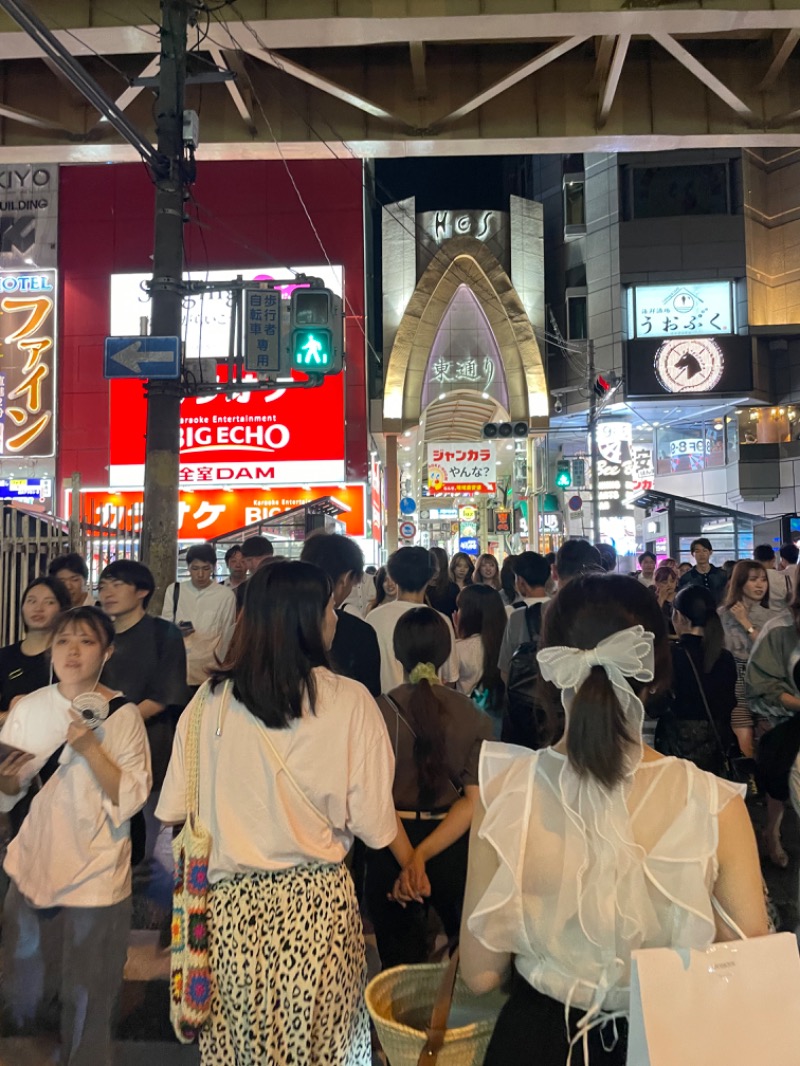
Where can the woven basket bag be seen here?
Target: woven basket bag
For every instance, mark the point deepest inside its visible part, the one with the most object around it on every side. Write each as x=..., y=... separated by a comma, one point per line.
x=411, y=1006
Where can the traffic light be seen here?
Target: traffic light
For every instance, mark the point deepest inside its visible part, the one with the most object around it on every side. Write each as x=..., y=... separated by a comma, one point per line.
x=601, y=386
x=316, y=332
x=563, y=474
x=493, y=430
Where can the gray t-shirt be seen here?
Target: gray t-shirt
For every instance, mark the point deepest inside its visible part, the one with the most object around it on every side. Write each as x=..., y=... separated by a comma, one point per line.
x=516, y=633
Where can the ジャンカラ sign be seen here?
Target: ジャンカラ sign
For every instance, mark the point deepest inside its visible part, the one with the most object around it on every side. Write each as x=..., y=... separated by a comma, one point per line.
x=461, y=467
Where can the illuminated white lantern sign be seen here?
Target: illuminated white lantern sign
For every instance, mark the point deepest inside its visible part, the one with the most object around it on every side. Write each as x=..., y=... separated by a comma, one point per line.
x=681, y=310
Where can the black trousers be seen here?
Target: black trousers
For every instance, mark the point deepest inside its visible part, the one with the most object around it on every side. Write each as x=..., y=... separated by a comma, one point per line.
x=531, y=1032
x=401, y=933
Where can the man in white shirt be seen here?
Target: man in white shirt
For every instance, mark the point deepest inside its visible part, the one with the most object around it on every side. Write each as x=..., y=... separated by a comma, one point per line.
x=204, y=611
x=411, y=570
x=531, y=572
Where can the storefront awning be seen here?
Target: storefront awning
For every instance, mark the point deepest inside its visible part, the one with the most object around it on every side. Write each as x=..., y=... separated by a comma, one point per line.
x=682, y=506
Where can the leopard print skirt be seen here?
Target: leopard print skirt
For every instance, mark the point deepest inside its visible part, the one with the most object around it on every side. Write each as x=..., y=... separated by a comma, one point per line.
x=287, y=957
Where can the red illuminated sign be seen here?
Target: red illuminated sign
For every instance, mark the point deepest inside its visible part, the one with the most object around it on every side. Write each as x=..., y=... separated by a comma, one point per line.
x=281, y=436
x=213, y=512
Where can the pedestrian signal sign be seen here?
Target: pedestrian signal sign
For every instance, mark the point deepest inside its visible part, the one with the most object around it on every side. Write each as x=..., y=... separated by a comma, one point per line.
x=317, y=332
x=312, y=349
x=563, y=474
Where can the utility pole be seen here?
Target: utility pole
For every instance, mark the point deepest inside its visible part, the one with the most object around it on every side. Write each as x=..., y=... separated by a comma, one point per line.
x=593, y=440
x=160, y=517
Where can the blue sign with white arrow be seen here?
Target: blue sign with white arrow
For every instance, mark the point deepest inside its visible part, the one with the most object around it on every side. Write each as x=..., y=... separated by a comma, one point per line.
x=143, y=357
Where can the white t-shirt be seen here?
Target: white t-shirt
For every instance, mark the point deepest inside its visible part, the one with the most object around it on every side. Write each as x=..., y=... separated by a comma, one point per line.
x=470, y=663
x=74, y=848
x=780, y=593
x=212, y=612
x=383, y=619
x=340, y=756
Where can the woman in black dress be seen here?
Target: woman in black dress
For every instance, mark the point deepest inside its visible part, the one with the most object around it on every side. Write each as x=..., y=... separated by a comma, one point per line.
x=696, y=722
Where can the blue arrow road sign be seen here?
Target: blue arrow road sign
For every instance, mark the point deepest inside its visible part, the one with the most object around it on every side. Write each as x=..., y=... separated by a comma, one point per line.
x=142, y=357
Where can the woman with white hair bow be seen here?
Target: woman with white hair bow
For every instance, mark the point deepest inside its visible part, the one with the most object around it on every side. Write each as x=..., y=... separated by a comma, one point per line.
x=585, y=851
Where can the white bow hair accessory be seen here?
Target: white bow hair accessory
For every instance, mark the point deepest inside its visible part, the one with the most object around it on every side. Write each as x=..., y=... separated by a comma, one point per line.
x=628, y=653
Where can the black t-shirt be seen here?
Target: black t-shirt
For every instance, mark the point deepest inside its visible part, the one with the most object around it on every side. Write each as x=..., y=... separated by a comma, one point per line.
x=21, y=673
x=355, y=652
x=149, y=663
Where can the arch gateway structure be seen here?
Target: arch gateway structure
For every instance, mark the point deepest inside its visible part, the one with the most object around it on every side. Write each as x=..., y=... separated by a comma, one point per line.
x=463, y=322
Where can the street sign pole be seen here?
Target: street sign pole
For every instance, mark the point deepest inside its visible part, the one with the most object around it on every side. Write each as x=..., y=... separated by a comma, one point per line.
x=593, y=442
x=160, y=516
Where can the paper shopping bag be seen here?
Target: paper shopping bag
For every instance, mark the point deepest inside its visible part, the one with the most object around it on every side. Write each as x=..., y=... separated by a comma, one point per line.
x=736, y=1004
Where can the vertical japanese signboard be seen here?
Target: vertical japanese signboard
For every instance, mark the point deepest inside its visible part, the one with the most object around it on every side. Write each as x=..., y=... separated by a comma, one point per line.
x=27, y=363
x=262, y=330
x=461, y=467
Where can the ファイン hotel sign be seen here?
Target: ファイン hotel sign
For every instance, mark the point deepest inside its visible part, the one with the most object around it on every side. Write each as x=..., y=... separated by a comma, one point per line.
x=27, y=363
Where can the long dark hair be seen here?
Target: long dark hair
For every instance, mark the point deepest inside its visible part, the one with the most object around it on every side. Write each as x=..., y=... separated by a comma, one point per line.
x=380, y=590
x=586, y=610
x=740, y=575
x=278, y=641
x=422, y=636
x=481, y=612
x=699, y=608
x=441, y=582
x=58, y=588
x=508, y=579
x=462, y=556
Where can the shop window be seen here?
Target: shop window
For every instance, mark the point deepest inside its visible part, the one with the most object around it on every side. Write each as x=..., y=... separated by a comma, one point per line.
x=574, y=187
x=577, y=314
x=668, y=192
x=715, y=443
x=681, y=449
x=732, y=437
x=766, y=425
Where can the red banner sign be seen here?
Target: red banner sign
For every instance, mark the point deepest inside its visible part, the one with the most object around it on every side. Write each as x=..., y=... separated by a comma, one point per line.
x=214, y=512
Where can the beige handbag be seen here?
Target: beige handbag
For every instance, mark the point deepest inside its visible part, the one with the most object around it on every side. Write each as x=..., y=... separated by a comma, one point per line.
x=411, y=1007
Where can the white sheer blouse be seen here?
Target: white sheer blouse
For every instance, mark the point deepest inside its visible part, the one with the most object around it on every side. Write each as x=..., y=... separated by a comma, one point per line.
x=576, y=891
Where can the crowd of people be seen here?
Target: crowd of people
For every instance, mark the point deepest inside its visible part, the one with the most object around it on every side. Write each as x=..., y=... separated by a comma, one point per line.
x=440, y=734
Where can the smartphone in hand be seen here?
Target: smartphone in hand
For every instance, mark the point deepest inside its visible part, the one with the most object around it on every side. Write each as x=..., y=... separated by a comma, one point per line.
x=186, y=628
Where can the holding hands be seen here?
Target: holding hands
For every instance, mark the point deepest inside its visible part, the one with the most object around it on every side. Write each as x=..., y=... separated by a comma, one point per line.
x=412, y=884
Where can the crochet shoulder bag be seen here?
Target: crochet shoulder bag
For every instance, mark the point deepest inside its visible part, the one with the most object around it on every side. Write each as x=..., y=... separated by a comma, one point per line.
x=190, y=974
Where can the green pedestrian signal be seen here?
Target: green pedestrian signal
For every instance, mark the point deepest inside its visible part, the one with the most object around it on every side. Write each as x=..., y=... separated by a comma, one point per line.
x=316, y=335
x=563, y=474
x=312, y=349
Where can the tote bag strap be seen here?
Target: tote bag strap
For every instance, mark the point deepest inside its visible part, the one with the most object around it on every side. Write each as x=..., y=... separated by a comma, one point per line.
x=192, y=751
x=277, y=758
x=437, y=1030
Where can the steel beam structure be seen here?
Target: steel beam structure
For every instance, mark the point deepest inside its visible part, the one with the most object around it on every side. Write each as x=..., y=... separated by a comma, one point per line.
x=351, y=77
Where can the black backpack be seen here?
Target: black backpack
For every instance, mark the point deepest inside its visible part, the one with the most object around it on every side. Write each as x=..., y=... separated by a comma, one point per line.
x=525, y=721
